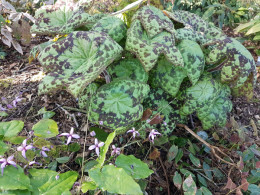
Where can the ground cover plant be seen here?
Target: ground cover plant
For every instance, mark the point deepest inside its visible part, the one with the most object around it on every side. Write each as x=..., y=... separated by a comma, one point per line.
x=138, y=85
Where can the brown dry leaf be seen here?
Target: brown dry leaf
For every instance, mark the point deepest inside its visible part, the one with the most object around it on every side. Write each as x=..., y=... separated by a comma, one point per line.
x=244, y=184
x=215, y=136
x=17, y=46
x=157, y=119
x=154, y=154
x=240, y=164
x=146, y=114
x=244, y=174
x=230, y=185
x=21, y=30
x=257, y=164
x=234, y=138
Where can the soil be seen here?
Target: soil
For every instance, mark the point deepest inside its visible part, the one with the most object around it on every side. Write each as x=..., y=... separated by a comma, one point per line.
x=18, y=77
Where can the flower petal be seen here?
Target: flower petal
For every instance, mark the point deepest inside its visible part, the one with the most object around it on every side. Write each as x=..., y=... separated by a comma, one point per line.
x=64, y=134
x=76, y=136
x=69, y=140
x=71, y=130
x=20, y=148
x=24, y=154
x=101, y=144
x=97, y=151
x=29, y=147
x=10, y=158
x=24, y=143
x=91, y=147
x=12, y=163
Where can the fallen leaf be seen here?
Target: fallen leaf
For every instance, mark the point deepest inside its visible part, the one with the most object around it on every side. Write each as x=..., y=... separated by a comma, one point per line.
x=238, y=192
x=230, y=185
x=234, y=138
x=146, y=114
x=244, y=184
x=154, y=154
x=257, y=164
x=157, y=119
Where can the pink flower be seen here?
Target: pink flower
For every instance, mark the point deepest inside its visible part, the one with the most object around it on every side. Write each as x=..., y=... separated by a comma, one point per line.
x=134, y=132
x=23, y=148
x=115, y=150
x=92, y=133
x=43, y=153
x=153, y=134
x=96, y=146
x=4, y=162
x=70, y=135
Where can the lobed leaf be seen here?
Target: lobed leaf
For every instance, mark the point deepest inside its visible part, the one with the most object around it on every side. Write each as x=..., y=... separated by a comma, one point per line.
x=149, y=49
x=128, y=68
x=153, y=20
x=76, y=61
x=118, y=103
x=111, y=25
x=61, y=18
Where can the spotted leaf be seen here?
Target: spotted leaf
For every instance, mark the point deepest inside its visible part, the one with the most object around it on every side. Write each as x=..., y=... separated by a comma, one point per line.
x=76, y=61
x=148, y=50
x=113, y=26
x=128, y=68
x=236, y=64
x=61, y=18
x=153, y=20
x=118, y=103
x=209, y=99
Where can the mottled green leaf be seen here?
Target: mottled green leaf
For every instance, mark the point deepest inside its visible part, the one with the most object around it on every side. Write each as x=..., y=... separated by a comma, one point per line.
x=118, y=103
x=61, y=18
x=46, y=128
x=128, y=68
x=177, y=180
x=85, y=95
x=189, y=186
x=153, y=20
x=172, y=153
x=14, y=179
x=207, y=170
x=111, y=25
x=76, y=61
x=86, y=186
x=210, y=99
x=149, y=49
x=133, y=166
x=11, y=128
x=114, y=180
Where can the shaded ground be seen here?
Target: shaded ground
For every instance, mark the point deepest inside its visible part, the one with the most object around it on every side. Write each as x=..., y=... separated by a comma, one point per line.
x=19, y=77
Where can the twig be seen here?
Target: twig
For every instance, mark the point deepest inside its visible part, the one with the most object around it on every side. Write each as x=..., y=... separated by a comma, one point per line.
x=75, y=109
x=165, y=173
x=128, y=7
x=214, y=149
x=71, y=115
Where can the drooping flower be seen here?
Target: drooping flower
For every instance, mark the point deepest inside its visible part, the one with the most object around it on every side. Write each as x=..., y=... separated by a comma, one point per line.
x=96, y=146
x=134, y=132
x=115, y=151
x=57, y=177
x=24, y=147
x=16, y=100
x=2, y=108
x=43, y=153
x=92, y=133
x=101, y=122
x=4, y=162
x=70, y=135
x=153, y=134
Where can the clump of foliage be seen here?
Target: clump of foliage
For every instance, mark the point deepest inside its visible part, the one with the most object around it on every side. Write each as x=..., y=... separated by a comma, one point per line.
x=163, y=69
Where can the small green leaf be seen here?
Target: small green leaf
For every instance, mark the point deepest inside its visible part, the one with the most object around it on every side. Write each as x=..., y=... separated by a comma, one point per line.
x=177, y=180
x=11, y=128
x=189, y=186
x=58, y=186
x=207, y=170
x=3, y=147
x=89, y=165
x=203, y=191
x=62, y=160
x=186, y=173
x=53, y=165
x=114, y=180
x=254, y=189
x=194, y=160
x=133, y=166
x=74, y=147
x=86, y=186
x=100, y=133
x=202, y=180
x=15, y=140
x=14, y=179
x=172, y=153
x=3, y=114
x=179, y=156
x=46, y=128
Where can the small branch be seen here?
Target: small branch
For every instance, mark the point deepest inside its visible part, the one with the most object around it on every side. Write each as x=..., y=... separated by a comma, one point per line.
x=214, y=149
x=74, y=109
x=165, y=174
x=71, y=115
